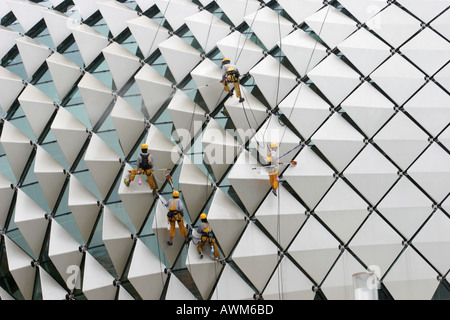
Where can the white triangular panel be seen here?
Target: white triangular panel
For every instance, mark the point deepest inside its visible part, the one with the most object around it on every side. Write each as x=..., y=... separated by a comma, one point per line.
x=314, y=249
x=250, y=186
x=117, y=239
x=70, y=134
x=33, y=54
x=137, y=199
x=288, y=283
x=236, y=47
x=175, y=11
x=431, y=170
x=236, y=10
x=90, y=42
x=196, y=187
x=305, y=109
x=37, y=106
x=247, y=117
x=334, y=78
x=143, y=29
x=300, y=9
x=433, y=241
x=310, y=178
x=176, y=290
x=26, y=12
x=338, y=141
x=103, y=164
x=338, y=284
x=220, y=148
x=405, y=207
x=115, y=15
x=368, y=108
x=122, y=63
x=146, y=273
x=59, y=25
x=204, y=271
x=63, y=251
x=331, y=25
x=187, y=117
x=50, y=288
x=6, y=195
x=406, y=283
x=64, y=73
x=267, y=18
x=231, y=287
x=155, y=89
x=84, y=207
x=17, y=147
x=30, y=219
x=227, y=220
x=207, y=76
x=342, y=210
x=207, y=29
x=160, y=226
x=165, y=153
x=129, y=124
x=8, y=37
x=281, y=216
x=371, y=173
x=256, y=251
x=364, y=50
x=427, y=50
x=376, y=243
x=10, y=87
x=273, y=79
x=97, y=282
x=19, y=264
x=402, y=140
x=365, y=12
x=430, y=107
x=180, y=56
x=49, y=173
x=394, y=18
x=303, y=51
x=96, y=97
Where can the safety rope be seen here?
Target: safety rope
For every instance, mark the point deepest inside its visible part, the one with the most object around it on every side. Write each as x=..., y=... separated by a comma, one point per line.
x=159, y=247
x=209, y=30
x=245, y=40
x=306, y=70
x=157, y=30
x=240, y=35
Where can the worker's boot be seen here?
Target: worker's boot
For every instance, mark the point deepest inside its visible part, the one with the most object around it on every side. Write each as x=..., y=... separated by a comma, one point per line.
x=127, y=182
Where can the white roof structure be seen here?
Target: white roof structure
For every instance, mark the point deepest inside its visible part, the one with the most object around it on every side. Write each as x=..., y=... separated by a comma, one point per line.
x=355, y=92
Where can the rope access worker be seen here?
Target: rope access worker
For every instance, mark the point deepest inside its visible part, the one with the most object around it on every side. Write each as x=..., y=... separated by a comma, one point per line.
x=144, y=166
x=230, y=73
x=207, y=237
x=175, y=214
x=273, y=162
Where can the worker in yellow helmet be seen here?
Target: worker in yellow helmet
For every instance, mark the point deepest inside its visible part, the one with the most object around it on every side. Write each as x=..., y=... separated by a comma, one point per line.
x=230, y=74
x=144, y=166
x=175, y=214
x=207, y=237
x=273, y=162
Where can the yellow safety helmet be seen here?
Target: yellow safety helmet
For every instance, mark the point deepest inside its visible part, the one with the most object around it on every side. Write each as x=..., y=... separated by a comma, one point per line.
x=225, y=60
x=274, y=145
x=175, y=193
x=203, y=216
x=230, y=69
x=144, y=146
